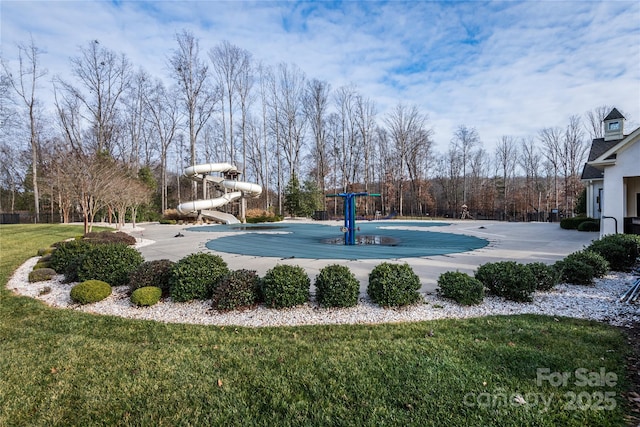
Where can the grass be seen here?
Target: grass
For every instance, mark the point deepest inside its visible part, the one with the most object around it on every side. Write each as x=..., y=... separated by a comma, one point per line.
x=61, y=367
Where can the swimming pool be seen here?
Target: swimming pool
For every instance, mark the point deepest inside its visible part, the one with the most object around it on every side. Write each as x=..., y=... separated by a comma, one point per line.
x=402, y=239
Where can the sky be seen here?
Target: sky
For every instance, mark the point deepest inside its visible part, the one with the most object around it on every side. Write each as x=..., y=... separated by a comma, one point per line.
x=503, y=68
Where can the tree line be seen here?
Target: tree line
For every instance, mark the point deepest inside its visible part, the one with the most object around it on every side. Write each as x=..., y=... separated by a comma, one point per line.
x=116, y=137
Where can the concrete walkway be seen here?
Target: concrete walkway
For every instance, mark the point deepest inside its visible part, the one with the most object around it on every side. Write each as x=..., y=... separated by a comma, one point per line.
x=521, y=242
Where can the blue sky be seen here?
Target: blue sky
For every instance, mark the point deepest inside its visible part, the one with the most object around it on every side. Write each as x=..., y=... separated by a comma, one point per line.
x=505, y=68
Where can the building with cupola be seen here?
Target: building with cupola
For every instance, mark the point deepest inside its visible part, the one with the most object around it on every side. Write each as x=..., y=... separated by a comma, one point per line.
x=612, y=177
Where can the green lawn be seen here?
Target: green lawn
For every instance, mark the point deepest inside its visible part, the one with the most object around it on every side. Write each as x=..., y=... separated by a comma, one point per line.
x=61, y=367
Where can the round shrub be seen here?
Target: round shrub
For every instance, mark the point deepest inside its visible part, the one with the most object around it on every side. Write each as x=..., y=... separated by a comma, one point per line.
x=152, y=273
x=90, y=291
x=238, y=289
x=45, y=251
x=336, y=286
x=461, y=288
x=621, y=250
x=575, y=272
x=110, y=263
x=508, y=279
x=146, y=296
x=42, y=264
x=41, y=274
x=285, y=286
x=599, y=264
x=589, y=226
x=67, y=256
x=545, y=276
x=195, y=276
x=393, y=285
x=580, y=268
x=573, y=223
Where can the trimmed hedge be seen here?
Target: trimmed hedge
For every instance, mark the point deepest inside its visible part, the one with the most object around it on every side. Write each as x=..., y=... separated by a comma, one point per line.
x=589, y=226
x=545, y=276
x=599, y=264
x=620, y=250
x=461, y=288
x=41, y=274
x=67, y=256
x=237, y=290
x=42, y=264
x=46, y=251
x=580, y=268
x=90, y=291
x=108, y=237
x=574, y=223
x=508, y=279
x=196, y=276
x=285, y=286
x=337, y=286
x=152, y=273
x=110, y=263
x=393, y=285
x=146, y=296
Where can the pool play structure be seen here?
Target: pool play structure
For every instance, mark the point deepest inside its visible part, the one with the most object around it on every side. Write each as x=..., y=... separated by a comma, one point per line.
x=349, y=229
x=376, y=240
x=369, y=240
x=228, y=181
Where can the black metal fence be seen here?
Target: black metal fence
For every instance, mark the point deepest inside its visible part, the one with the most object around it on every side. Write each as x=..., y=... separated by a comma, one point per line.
x=9, y=218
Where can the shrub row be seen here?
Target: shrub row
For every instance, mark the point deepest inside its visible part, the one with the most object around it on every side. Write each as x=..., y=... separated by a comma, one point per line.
x=574, y=223
x=207, y=276
x=620, y=250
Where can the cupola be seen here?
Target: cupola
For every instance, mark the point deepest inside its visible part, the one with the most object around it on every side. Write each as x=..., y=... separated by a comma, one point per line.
x=613, y=125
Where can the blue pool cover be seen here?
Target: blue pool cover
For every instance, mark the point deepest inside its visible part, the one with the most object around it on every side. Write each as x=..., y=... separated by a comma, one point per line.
x=291, y=240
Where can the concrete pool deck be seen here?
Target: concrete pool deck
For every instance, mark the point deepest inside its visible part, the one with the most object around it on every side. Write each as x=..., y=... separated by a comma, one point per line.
x=521, y=242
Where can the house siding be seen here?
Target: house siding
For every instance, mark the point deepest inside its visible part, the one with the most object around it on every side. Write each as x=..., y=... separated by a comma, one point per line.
x=620, y=181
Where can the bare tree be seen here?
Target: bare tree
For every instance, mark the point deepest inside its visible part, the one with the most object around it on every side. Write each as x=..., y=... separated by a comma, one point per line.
x=365, y=114
x=481, y=194
x=103, y=76
x=164, y=117
x=465, y=139
x=410, y=137
x=315, y=106
x=530, y=159
x=346, y=150
x=448, y=175
x=506, y=160
x=25, y=85
x=291, y=83
x=12, y=171
x=272, y=118
x=233, y=68
x=573, y=155
x=199, y=99
x=594, y=121
x=266, y=82
x=94, y=183
x=135, y=121
x=551, y=139
x=57, y=173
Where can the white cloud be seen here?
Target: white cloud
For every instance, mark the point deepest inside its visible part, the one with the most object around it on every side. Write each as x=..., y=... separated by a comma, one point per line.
x=504, y=68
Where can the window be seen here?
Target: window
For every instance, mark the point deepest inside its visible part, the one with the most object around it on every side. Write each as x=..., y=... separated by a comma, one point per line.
x=614, y=125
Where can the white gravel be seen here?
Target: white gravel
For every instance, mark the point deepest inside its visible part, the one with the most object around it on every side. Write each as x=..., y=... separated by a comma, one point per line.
x=599, y=302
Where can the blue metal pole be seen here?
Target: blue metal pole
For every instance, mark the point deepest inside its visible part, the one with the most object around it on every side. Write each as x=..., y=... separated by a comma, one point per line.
x=351, y=231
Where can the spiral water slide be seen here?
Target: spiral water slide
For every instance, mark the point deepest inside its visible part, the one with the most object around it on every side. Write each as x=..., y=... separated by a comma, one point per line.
x=205, y=207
